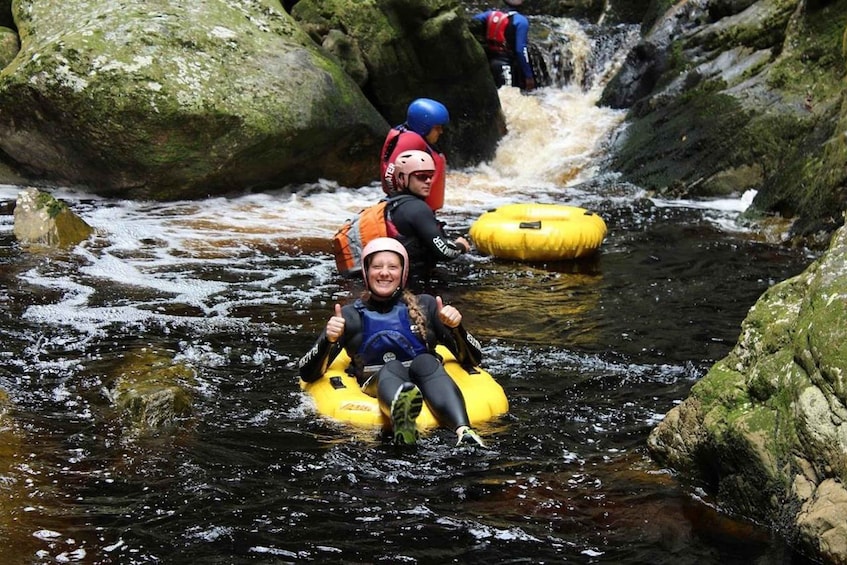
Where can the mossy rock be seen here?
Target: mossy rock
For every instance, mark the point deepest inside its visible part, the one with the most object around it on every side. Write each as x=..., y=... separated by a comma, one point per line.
x=152, y=393
x=42, y=221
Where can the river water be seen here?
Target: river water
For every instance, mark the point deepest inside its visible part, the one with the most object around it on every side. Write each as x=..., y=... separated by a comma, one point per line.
x=591, y=354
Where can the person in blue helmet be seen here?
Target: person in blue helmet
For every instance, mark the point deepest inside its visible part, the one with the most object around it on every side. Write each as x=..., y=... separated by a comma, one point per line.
x=390, y=335
x=507, y=46
x=425, y=121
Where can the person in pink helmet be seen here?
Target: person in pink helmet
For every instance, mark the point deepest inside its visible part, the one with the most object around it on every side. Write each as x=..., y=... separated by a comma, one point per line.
x=390, y=334
x=415, y=223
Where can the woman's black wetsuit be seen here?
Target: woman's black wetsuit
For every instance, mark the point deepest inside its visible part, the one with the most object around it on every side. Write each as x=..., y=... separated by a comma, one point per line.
x=426, y=370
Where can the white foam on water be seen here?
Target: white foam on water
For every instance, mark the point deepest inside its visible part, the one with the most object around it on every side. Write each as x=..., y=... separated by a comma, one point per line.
x=721, y=212
x=218, y=254
x=554, y=139
x=736, y=204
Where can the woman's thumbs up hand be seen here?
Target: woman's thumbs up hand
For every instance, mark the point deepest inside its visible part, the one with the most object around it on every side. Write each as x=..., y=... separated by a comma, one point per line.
x=335, y=325
x=448, y=315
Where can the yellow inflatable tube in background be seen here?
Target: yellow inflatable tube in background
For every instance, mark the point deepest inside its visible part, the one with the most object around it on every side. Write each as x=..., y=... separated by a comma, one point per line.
x=337, y=395
x=538, y=232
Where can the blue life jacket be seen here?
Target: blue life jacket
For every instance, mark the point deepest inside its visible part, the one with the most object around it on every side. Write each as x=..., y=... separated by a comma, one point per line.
x=387, y=336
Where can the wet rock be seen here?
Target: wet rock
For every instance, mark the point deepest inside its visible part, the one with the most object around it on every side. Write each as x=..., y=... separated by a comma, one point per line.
x=718, y=87
x=821, y=521
x=183, y=100
x=766, y=429
x=152, y=393
x=41, y=220
x=9, y=45
x=411, y=50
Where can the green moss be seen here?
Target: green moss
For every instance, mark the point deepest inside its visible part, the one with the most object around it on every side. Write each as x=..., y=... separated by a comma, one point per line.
x=764, y=380
x=721, y=386
x=50, y=204
x=810, y=63
x=760, y=420
x=152, y=391
x=676, y=144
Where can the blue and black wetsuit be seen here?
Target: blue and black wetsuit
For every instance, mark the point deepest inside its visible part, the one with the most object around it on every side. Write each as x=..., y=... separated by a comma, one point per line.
x=378, y=335
x=507, y=47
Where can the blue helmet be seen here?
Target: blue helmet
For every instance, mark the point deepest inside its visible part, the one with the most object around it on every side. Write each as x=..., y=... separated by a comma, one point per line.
x=424, y=113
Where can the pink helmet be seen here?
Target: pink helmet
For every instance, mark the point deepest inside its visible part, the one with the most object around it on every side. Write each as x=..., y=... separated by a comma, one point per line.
x=385, y=244
x=409, y=162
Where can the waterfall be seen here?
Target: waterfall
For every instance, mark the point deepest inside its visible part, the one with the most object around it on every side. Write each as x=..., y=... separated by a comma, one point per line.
x=576, y=53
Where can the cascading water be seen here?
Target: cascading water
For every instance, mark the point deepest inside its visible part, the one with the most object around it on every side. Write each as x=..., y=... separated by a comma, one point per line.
x=590, y=353
x=581, y=55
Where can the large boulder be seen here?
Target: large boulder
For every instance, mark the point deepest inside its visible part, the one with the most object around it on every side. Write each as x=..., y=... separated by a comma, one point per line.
x=9, y=45
x=730, y=95
x=401, y=50
x=765, y=431
x=179, y=99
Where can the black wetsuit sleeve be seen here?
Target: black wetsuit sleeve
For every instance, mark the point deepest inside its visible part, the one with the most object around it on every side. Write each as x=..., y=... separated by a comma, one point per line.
x=414, y=217
x=469, y=350
x=316, y=361
x=458, y=340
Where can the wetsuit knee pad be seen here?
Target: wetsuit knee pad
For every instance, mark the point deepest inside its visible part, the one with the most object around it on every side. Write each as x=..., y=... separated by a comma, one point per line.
x=442, y=395
x=394, y=373
x=424, y=365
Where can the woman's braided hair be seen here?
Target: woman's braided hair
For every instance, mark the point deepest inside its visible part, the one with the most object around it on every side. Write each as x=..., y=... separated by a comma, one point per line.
x=415, y=312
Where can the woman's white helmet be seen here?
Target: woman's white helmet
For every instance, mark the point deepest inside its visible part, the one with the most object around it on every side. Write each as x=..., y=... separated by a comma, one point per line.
x=386, y=244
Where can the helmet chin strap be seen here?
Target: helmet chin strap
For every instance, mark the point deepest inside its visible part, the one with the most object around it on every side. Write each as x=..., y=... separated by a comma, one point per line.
x=394, y=295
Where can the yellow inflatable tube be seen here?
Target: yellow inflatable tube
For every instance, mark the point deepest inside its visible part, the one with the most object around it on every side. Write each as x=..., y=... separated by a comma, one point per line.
x=337, y=395
x=538, y=232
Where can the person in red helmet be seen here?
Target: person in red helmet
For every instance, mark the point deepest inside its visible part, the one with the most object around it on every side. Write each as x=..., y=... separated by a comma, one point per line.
x=415, y=223
x=390, y=334
x=425, y=121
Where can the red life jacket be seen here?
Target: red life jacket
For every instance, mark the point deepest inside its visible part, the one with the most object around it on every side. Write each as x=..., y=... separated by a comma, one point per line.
x=495, y=31
x=399, y=140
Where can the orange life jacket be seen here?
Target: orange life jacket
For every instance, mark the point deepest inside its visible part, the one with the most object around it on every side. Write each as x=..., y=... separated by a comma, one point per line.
x=371, y=223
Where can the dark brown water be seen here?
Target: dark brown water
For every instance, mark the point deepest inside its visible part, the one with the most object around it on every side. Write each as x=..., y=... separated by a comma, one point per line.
x=592, y=354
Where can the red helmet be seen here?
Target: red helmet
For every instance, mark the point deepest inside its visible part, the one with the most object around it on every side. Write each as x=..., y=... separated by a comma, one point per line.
x=409, y=162
x=386, y=244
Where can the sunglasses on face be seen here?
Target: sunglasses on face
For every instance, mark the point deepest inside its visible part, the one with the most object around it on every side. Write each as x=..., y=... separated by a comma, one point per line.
x=423, y=176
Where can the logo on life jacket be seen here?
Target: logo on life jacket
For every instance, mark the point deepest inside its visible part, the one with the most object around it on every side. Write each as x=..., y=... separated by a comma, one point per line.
x=387, y=336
